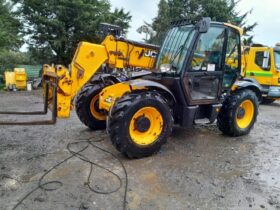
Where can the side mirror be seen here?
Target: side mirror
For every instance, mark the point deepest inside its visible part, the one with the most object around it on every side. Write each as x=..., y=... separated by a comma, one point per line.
x=203, y=25
x=266, y=57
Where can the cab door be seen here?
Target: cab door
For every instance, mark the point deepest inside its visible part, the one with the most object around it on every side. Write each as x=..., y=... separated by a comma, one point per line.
x=259, y=65
x=203, y=77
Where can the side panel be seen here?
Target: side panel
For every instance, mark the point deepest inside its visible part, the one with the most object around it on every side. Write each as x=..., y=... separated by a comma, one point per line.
x=110, y=94
x=254, y=68
x=124, y=53
x=87, y=61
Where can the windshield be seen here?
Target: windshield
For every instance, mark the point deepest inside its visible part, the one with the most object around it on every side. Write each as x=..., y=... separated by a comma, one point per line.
x=175, y=48
x=277, y=59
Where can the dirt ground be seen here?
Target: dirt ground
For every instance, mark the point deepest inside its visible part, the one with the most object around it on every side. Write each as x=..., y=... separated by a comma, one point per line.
x=198, y=168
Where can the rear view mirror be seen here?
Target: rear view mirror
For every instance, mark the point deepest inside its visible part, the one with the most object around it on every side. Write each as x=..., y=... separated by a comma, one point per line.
x=266, y=58
x=203, y=25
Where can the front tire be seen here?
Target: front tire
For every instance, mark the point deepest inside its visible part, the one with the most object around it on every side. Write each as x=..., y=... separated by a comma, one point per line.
x=139, y=124
x=87, y=106
x=238, y=113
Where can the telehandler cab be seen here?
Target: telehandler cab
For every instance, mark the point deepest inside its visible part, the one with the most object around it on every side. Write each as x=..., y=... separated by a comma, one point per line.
x=197, y=75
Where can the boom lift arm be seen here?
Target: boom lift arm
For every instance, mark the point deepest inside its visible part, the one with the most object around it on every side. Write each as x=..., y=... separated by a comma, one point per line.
x=61, y=85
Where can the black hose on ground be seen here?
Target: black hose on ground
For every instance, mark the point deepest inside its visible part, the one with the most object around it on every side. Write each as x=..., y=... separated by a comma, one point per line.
x=54, y=185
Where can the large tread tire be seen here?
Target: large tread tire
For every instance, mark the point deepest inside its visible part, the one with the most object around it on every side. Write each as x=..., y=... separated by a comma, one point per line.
x=83, y=101
x=226, y=119
x=267, y=101
x=121, y=114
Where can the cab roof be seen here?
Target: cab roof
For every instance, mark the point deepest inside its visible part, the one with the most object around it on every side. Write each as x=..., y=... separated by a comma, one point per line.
x=241, y=31
x=187, y=22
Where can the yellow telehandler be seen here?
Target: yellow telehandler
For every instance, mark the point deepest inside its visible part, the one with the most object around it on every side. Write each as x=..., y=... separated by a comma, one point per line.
x=196, y=75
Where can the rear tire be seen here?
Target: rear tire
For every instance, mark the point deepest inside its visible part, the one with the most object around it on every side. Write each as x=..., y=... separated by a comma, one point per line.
x=84, y=106
x=230, y=120
x=123, y=116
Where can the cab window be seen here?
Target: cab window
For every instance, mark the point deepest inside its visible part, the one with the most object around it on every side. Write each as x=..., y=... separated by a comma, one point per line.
x=259, y=59
x=209, y=50
x=232, y=54
x=232, y=63
x=277, y=60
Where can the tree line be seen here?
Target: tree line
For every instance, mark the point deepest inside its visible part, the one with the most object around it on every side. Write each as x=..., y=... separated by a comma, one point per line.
x=52, y=29
x=193, y=10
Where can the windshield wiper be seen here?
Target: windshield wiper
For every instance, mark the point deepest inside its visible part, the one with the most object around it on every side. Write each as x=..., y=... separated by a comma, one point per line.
x=180, y=49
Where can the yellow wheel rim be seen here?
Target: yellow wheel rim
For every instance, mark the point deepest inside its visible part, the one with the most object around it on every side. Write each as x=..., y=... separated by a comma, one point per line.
x=146, y=126
x=93, y=110
x=245, y=114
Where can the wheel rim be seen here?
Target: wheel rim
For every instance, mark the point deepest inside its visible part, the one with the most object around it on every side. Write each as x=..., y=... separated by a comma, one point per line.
x=94, y=110
x=145, y=126
x=245, y=114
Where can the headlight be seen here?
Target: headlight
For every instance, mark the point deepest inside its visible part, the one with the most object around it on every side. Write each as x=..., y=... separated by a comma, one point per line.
x=109, y=99
x=165, y=67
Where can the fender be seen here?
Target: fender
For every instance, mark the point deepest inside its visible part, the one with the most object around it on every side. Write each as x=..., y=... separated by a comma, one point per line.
x=106, y=77
x=110, y=94
x=248, y=83
x=151, y=84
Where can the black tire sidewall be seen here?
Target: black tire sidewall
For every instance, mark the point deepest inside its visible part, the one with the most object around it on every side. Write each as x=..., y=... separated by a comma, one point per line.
x=87, y=104
x=83, y=109
x=243, y=131
x=128, y=146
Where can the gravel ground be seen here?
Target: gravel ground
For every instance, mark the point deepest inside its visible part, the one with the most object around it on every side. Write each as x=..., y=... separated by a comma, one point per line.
x=198, y=168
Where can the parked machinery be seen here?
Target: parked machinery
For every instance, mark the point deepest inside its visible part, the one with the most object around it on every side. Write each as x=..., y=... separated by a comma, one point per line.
x=16, y=80
x=263, y=64
x=139, y=108
x=20, y=78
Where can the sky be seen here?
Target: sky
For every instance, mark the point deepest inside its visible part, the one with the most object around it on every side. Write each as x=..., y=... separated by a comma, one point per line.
x=265, y=12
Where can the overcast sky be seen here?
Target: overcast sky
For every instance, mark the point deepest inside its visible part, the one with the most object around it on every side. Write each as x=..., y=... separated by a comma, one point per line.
x=265, y=12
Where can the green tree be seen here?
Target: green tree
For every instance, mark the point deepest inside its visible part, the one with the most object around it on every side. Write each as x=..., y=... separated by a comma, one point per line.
x=10, y=59
x=161, y=22
x=193, y=10
x=57, y=26
x=9, y=28
x=10, y=39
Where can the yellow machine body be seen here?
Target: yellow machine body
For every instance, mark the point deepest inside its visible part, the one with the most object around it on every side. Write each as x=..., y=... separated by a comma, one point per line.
x=20, y=78
x=88, y=59
x=9, y=79
x=117, y=54
x=122, y=54
x=109, y=94
x=253, y=60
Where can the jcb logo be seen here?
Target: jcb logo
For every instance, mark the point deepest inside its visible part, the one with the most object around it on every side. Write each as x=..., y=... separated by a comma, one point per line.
x=151, y=54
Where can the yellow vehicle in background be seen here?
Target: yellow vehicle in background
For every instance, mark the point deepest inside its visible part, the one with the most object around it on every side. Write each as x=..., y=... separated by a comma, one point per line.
x=16, y=79
x=10, y=81
x=20, y=78
x=263, y=64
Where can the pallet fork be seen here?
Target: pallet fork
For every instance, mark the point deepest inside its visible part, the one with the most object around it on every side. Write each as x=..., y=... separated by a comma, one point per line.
x=50, y=82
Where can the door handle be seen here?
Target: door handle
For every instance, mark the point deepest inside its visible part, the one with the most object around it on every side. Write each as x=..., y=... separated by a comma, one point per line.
x=252, y=74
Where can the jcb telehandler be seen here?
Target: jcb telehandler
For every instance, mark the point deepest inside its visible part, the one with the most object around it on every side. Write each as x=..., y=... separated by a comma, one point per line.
x=263, y=64
x=197, y=75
